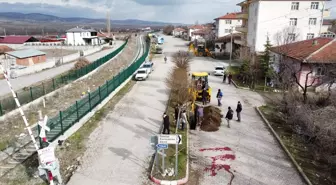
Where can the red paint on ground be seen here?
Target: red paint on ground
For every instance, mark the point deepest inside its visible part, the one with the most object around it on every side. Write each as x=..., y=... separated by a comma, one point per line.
x=214, y=168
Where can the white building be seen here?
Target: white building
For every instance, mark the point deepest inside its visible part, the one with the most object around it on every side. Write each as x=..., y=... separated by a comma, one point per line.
x=80, y=36
x=327, y=24
x=192, y=29
x=282, y=21
x=226, y=23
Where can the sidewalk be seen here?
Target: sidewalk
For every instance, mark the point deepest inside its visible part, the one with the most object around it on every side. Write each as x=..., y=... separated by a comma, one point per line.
x=247, y=150
x=25, y=81
x=119, y=150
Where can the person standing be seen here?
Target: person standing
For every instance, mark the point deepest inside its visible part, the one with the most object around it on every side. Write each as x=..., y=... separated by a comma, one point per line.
x=238, y=110
x=229, y=116
x=230, y=78
x=165, y=59
x=224, y=77
x=176, y=112
x=200, y=115
x=219, y=97
x=183, y=119
x=166, y=123
x=204, y=96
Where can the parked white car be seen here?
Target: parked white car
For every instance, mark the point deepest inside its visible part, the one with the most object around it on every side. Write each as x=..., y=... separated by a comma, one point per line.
x=142, y=74
x=148, y=66
x=219, y=70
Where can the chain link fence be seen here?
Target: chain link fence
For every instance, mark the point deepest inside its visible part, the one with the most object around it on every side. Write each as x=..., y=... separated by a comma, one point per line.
x=67, y=118
x=29, y=94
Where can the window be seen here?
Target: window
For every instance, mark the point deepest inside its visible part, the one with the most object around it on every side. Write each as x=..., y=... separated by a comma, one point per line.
x=318, y=71
x=312, y=21
x=227, y=30
x=292, y=21
x=314, y=5
x=227, y=21
x=310, y=35
x=291, y=37
x=295, y=6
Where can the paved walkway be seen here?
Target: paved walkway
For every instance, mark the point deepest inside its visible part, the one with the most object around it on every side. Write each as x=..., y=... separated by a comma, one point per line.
x=119, y=149
x=25, y=81
x=253, y=155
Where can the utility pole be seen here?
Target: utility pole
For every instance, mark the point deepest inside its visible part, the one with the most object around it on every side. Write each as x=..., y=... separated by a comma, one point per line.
x=321, y=24
x=231, y=46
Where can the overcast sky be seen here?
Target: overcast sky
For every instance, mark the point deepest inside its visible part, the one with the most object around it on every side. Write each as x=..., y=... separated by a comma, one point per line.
x=177, y=11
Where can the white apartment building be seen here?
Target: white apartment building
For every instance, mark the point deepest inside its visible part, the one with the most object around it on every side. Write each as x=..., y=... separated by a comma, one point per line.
x=282, y=21
x=80, y=36
x=226, y=23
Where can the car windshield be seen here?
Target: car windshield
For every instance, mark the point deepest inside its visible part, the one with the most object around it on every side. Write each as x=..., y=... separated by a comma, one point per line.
x=147, y=65
x=219, y=68
x=141, y=72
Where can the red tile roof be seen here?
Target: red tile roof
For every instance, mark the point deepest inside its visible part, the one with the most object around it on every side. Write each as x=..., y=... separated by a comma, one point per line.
x=228, y=16
x=317, y=50
x=179, y=29
x=196, y=27
x=16, y=39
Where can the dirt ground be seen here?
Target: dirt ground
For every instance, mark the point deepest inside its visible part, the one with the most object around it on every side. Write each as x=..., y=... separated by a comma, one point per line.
x=50, y=53
x=63, y=99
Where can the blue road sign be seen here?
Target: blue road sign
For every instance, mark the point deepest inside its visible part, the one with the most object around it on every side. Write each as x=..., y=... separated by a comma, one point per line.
x=162, y=146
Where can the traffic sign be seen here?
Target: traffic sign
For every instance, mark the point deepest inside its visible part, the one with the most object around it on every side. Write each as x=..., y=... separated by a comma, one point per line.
x=162, y=146
x=170, y=139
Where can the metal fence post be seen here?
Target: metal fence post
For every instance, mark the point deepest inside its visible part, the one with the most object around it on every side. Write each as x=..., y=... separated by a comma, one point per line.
x=107, y=91
x=61, y=121
x=53, y=81
x=77, y=111
x=1, y=113
x=62, y=79
x=90, y=101
x=99, y=94
x=31, y=93
x=43, y=89
x=39, y=130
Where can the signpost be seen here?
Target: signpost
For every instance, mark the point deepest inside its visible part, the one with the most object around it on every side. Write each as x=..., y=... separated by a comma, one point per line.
x=170, y=139
x=162, y=146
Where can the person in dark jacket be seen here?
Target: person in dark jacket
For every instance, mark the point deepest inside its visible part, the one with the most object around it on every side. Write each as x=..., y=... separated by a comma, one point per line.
x=166, y=123
x=230, y=78
x=224, y=77
x=238, y=110
x=219, y=97
x=176, y=112
x=229, y=116
x=204, y=96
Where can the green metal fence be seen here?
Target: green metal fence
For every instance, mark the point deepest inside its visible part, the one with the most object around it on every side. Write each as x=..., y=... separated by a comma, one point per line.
x=30, y=94
x=67, y=118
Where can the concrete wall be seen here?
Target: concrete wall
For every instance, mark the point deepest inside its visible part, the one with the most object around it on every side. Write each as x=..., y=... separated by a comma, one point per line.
x=223, y=28
x=273, y=17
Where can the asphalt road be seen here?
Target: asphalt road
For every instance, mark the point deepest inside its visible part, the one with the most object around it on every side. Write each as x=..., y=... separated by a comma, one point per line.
x=25, y=81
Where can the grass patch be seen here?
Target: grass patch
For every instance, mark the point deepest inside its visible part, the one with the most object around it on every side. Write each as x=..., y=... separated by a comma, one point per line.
x=170, y=152
x=75, y=145
x=316, y=170
x=234, y=70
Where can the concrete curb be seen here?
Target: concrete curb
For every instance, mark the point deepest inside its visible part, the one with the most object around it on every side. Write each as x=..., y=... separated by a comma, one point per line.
x=297, y=166
x=239, y=87
x=175, y=182
x=40, y=99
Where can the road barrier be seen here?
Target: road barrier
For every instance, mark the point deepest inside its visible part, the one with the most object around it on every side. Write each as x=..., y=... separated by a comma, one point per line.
x=69, y=117
x=29, y=94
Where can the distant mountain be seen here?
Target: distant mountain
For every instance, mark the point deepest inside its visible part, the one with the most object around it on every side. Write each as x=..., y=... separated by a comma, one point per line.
x=37, y=17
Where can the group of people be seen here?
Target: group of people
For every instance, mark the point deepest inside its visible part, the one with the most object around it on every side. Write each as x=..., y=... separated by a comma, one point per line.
x=229, y=114
x=180, y=119
x=227, y=76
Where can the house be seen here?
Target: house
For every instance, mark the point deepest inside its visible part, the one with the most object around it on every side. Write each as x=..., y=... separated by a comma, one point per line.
x=281, y=21
x=3, y=50
x=223, y=44
x=27, y=57
x=227, y=23
x=14, y=41
x=178, y=32
x=80, y=36
x=193, y=28
x=312, y=55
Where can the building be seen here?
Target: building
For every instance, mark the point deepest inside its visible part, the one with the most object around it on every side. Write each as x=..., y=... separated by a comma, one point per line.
x=3, y=50
x=193, y=28
x=14, y=41
x=223, y=44
x=326, y=26
x=27, y=57
x=178, y=32
x=308, y=57
x=281, y=21
x=227, y=23
x=80, y=37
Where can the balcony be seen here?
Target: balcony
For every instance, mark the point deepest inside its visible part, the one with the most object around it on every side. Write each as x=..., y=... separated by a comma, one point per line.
x=242, y=29
x=242, y=15
x=326, y=13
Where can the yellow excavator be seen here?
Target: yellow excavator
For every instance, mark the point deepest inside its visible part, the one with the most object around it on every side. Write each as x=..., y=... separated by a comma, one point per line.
x=200, y=50
x=199, y=82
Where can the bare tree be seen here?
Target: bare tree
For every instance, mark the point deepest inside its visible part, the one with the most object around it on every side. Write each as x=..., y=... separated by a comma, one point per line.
x=168, y=30
x=182, y=59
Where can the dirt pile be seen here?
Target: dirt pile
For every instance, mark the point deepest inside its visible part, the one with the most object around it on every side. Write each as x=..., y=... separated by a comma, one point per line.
x=212, y=119
x=82, y=62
